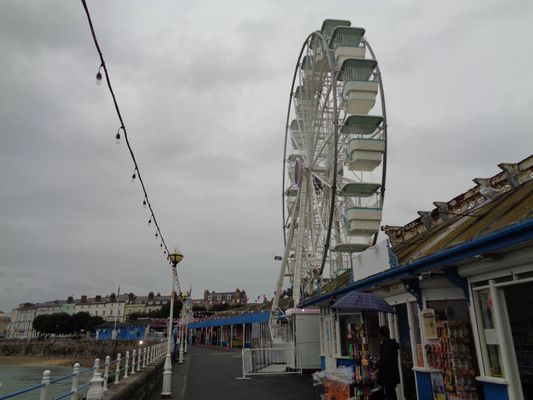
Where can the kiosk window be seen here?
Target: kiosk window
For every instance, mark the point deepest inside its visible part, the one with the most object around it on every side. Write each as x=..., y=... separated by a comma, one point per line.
x=488, y=335
x=344, y=320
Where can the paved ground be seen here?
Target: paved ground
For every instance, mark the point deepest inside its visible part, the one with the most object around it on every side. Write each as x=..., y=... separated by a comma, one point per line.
x=209, y=374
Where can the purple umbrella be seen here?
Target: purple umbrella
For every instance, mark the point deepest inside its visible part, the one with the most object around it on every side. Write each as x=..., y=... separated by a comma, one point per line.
x=361, y=301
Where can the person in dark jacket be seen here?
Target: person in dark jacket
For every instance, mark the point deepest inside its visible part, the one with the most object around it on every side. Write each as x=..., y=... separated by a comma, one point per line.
x=388, y=373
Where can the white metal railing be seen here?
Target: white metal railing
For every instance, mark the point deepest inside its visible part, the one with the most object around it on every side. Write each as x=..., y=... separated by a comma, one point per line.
x=94, y=378
x=270, y=361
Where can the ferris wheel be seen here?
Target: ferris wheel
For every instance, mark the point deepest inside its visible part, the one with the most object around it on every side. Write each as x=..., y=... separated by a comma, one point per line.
x=334, y=158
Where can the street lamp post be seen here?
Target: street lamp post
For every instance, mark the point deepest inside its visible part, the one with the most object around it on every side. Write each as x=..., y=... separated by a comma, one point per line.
x=174, y=258
x=183, y=331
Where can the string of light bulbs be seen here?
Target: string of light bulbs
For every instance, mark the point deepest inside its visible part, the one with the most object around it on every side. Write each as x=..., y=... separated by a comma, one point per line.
x=136, y=170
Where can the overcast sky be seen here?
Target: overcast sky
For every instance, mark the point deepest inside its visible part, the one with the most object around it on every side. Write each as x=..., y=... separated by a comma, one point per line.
x=203, y=88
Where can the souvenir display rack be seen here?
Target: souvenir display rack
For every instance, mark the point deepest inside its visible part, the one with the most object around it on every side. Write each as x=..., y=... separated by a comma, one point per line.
x=364, y=363
x=451, y=354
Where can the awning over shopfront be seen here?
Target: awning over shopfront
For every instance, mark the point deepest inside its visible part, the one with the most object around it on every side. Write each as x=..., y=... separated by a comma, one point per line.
x=254, y=318
x=360, y=301
x=516, y=234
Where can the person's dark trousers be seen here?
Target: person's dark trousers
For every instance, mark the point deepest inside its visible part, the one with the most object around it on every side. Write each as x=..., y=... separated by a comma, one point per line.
x=390, y=391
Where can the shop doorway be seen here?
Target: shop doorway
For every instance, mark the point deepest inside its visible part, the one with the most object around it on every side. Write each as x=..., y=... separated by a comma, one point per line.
x=519, y=299
x=406, y=353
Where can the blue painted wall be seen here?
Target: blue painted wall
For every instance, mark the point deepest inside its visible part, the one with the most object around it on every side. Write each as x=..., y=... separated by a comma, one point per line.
x=123, y=333
x=423, y=382
x=494, y=391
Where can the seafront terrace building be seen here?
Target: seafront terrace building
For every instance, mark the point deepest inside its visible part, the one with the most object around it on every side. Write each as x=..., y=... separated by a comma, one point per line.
x=212, y=297
x=110, y=308
x=21, y=326
x=144, y=304
x=4, y=323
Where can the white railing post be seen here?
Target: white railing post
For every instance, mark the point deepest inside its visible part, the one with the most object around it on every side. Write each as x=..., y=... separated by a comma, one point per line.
x=45, y=382
x=144, y=357
x=126, y=366
x=117, y=371
x=150, y=354
x=75, y=379
x=106, y=371
x=139, y=354
x=96, y=366
x=134, y=353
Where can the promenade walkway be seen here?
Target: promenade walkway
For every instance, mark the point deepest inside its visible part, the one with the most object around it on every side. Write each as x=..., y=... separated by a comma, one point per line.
x=211, y=373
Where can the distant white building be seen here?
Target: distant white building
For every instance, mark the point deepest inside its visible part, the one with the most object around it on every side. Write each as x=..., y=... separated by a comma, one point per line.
x=108, y=307
x=4, y=324
x=21, y=326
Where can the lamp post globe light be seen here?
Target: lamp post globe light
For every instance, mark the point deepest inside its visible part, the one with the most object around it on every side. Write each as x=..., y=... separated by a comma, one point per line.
x=175, y=257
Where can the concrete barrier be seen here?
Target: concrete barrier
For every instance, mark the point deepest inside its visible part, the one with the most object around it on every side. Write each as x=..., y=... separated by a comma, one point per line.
x=138, y=386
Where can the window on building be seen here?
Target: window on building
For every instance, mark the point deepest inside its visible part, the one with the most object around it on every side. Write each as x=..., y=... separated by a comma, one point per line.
x=488, y=335
x=219, y=297
x=228, y=297
x=209, y=298
x=419, y=361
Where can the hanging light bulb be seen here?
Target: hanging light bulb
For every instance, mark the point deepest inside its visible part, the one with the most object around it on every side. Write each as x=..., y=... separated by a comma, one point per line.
x=133, y=176
x=149, y=221
x=117, y=136
x=144, y=203
x=99, y=76
x=156, y=234
x=161, y=245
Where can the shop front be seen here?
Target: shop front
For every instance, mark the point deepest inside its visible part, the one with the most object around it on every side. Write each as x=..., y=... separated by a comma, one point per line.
x=431, y=322
x=502, y=291
x=349, y=338
x=244, y=330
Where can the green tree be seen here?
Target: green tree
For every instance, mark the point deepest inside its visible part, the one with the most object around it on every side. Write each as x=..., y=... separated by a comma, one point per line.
x=58, y=323
x=79, y=321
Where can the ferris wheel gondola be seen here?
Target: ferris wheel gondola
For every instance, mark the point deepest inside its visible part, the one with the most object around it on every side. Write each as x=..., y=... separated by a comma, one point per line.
x=334, y=158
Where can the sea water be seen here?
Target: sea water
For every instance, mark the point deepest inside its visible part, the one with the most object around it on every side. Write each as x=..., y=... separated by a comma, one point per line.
x=17, y=377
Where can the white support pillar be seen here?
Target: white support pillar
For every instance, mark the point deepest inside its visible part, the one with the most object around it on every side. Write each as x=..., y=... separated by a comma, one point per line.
x=106, y=371
x=126, y=366
x=412, y=336
x=134, y=354
x=45, y=382
x=75, y=380
x=117, y=370
x=243, y=335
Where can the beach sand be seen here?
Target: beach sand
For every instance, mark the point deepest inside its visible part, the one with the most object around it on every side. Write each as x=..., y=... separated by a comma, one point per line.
x=37, y=361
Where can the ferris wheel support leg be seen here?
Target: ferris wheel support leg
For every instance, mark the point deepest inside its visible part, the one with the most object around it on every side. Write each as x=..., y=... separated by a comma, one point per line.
x=284, y=263
x=298, y=265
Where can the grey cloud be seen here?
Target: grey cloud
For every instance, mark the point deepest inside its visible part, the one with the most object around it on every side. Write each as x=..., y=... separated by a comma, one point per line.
x=204, y=101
